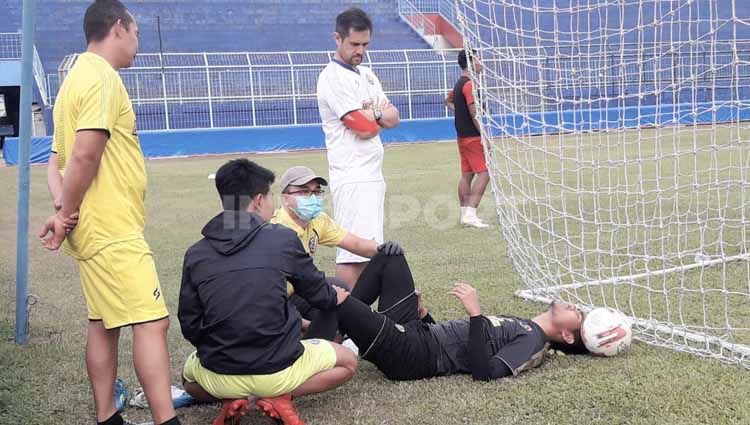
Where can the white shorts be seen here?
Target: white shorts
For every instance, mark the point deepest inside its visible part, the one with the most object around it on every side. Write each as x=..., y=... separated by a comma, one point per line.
x=358, y=208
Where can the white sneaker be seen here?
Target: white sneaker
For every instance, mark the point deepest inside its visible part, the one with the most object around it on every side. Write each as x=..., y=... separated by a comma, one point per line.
x=348, y=343
x=469, y=218
x=474, y=222
x=180, y=398
x=483, y=222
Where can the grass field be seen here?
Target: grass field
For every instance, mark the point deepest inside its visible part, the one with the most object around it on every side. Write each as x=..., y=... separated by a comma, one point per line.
x=45, y=382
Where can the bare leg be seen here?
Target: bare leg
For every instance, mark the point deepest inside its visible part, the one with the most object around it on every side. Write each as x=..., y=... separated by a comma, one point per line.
x=349, y=272
x=478, y=188
x=464, y=188
x=197, y=392
x=101, y=364
x=343, y=371
x=151, y=360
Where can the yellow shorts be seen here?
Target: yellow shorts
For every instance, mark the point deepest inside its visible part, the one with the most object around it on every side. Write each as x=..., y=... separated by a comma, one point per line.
x=121, y=286
x=318, y=356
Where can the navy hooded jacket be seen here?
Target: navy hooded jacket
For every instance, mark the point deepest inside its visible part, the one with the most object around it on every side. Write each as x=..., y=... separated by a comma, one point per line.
x=233, y=300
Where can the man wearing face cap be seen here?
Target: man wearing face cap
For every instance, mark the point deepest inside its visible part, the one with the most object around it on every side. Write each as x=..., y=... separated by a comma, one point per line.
x=302, y=196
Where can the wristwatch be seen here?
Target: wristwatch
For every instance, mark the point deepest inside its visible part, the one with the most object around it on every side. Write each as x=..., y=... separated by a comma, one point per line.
x=378, y=114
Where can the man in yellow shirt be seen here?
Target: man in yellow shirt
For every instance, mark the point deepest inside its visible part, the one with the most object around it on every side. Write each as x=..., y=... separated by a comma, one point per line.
x=302, y=197
x=301, y=210
x=99, y=187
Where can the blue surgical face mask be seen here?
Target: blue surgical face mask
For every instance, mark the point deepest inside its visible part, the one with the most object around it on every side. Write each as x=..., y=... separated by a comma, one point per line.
x=308, y=207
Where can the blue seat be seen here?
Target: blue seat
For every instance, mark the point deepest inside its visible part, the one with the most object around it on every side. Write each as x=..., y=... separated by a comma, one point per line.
x=214, y=26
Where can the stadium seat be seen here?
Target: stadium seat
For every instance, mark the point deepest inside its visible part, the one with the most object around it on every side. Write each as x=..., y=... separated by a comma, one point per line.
x=215, y=26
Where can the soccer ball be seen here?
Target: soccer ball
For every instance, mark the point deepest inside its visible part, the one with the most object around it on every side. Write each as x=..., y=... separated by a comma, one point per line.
x=613, y=326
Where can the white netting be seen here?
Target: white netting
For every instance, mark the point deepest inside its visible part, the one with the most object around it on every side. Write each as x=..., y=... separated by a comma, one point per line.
x=620, y=158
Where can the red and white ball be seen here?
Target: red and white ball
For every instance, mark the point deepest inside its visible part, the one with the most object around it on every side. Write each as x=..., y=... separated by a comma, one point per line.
x=606, y=332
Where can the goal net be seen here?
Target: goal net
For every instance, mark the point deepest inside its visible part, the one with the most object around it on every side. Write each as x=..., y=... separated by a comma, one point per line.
x=618, y=143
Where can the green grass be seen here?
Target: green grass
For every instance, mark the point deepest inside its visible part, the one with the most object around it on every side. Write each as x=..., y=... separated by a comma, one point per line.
x=45, y=382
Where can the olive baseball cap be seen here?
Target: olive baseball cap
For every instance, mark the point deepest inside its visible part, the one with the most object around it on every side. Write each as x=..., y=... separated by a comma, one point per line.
x=299, y=176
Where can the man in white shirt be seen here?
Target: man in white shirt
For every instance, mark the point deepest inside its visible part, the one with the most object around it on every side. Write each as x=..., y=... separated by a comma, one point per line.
x=353, y=109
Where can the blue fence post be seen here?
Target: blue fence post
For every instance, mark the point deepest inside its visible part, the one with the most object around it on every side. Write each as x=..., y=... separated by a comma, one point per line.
x=24, y=153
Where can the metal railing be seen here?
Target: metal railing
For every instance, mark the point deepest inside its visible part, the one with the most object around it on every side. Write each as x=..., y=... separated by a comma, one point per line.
x=415, y=17
x=10, y=45
x=445, y=8
x=216, y=90
x=10, y=50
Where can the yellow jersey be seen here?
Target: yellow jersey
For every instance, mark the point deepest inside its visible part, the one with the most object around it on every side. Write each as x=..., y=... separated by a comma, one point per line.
x=321, y=230
x=93, y=97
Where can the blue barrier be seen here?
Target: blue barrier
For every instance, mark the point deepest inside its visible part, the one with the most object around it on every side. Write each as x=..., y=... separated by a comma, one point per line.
x=169, y=143
x=597, y=119
x=40, y=147
x=10, y=73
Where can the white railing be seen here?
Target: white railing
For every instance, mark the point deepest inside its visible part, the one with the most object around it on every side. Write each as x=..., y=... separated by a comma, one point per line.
x=447, y=9
x=414, y=16
x=10, y=45
x=41, y=79
x=416, y=10
x=216, y=90
x=10, y=50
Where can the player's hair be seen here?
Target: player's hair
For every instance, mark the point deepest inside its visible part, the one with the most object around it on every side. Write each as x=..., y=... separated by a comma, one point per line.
x=577, y=347
x=239, y=181
x=353, y=18
x=101, y=15
x=463, y=61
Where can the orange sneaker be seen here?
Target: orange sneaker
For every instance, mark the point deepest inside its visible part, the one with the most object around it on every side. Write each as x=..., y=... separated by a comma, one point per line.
x=280, y=407
x=232, y=411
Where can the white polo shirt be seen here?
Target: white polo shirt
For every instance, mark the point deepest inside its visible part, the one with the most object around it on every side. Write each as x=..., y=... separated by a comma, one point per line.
x=343, y=89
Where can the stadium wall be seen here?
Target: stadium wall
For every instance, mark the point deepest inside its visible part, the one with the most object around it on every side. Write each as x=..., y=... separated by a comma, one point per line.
x=171, y=143
x=446, y=29
x=10, y=73
x=174, y=143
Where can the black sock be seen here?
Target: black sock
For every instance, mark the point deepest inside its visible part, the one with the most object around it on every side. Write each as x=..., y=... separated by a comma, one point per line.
x=116, y=419
x=173, y=421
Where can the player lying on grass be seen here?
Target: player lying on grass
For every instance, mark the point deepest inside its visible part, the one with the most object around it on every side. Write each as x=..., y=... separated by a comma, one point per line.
x=233, y=304
x=403, y=341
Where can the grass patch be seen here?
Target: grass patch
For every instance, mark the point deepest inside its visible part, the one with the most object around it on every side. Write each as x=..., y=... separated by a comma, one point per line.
x=45, y=382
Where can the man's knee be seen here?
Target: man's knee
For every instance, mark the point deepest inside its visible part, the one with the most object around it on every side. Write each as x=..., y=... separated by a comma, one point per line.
x=383, y=260
x=156, y=326
x=197, y=392
x=337, y=281
x=345, y=358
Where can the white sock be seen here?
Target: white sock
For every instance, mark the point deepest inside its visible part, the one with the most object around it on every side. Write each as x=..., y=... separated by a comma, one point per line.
x=348, y=343
x=470, y=212
x=463, y=212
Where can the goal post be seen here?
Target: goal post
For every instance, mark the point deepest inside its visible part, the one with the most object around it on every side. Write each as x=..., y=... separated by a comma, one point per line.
x=618, y=142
